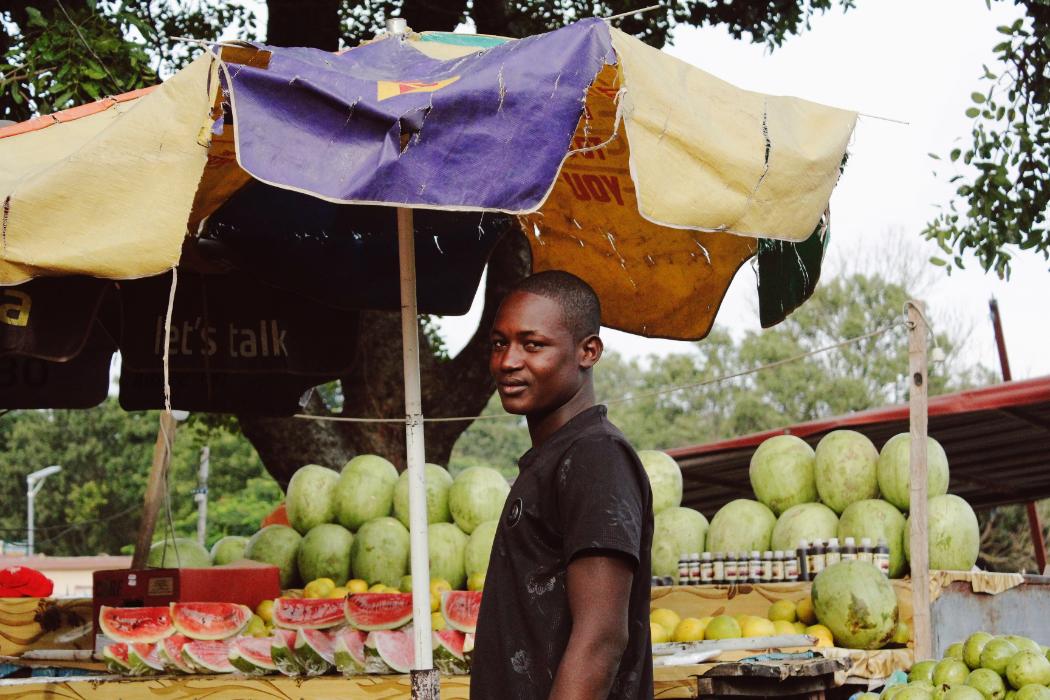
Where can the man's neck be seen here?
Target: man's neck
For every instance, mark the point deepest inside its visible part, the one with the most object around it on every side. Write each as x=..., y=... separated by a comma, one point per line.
x=541, y=427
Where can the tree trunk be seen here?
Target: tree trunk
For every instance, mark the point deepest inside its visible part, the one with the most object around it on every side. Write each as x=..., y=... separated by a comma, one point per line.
x=374, y=388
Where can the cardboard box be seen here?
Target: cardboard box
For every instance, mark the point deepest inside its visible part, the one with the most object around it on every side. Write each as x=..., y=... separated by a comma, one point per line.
x=244, y=582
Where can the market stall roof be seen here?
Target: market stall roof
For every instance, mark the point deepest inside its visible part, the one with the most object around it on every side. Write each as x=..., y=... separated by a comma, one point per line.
x=997, y=439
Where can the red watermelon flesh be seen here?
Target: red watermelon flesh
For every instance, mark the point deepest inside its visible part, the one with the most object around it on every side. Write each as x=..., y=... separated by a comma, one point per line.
x=211, y=656
x=460, y=609
x=349, y=651
x=209, y=621
x=308, y=613
x=135, y=625
x=145, y=659
x=116, y=657
x=171, y=653
x=253, y=655
x=395, y=648
x=448, y=652
x=378, y=611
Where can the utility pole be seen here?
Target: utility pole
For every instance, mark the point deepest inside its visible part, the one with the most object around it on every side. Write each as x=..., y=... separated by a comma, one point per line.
x=34, y=482
x=201, y=496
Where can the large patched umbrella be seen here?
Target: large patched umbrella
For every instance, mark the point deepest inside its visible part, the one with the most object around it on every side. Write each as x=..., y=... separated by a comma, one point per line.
x=651, y=180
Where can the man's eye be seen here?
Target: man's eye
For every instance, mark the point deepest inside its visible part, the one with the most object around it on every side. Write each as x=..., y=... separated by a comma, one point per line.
x=532, y=346
x=498, y=344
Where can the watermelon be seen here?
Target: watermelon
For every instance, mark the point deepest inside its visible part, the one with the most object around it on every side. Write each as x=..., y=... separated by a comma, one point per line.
x=349, y=651
x=665, y=479
x=325, y=553
x=209, y=621
x=282, y=652
x=144, y=658
x=448, y=652
x=380, y=551
x=374, y=663
x=361, y=496
x=209, y=656
x=277, y=545
x=182, y=552
x=308, y=613
x=477, y=495
x=446, y=545
x=116, y=657
x=228, y=549
x=781, y=473
x=378, y=611
x=439, y=482
x=135, y=625
x=479, y=548
x=315, y=650
x=311, y=497
x=460, y=609
x=468, y=648
x=171, y=653
x=252, y=655
x=395, y=648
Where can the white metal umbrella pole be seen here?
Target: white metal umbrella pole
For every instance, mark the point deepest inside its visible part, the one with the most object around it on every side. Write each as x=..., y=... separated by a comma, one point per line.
x=424, y=676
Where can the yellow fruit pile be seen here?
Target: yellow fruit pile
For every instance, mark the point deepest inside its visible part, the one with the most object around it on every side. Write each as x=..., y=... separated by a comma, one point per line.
x=785, y=617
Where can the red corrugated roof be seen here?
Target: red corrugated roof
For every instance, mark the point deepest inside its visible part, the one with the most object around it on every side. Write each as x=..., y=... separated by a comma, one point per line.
x=68, y=115
x=997, y=439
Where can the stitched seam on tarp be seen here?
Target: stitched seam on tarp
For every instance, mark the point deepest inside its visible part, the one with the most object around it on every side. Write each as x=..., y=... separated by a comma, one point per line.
x=3, y=231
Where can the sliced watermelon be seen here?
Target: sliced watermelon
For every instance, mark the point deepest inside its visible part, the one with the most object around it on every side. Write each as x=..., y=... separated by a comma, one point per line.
x=135, y=625
x=209, y=656
x=171, y=653
x=448, y=652
x=395, y=648
x=378, y=611
x=315, y=650
x=252, y=655
x=468, y=648
x=282, y=652
x=460, y=609
x=373, y=661
x=116, y=657
x=144, y=659
x=349, y=651
x=308, y=613
x=209, y=621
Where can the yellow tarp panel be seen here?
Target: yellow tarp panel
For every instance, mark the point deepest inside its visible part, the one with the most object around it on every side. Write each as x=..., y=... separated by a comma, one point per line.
x=590, y=224
x=699, y=149
x=106, y=195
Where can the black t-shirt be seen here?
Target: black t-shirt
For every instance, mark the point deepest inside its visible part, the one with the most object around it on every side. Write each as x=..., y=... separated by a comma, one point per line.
x=582, y=490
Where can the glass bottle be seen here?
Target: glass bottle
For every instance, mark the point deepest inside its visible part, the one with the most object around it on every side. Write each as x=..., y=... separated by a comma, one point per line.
x=707, y=569
x=683, y=569
x=767, y=567
x=815, y=558
x=719, y=567
x=778, y=566
x=791, y=572
x=832, y=555
x=754, y=567
x=881, y=556
x=864, y=553
x=849, y=550
x=730, y=567
x=802, y=557
x=694, y=569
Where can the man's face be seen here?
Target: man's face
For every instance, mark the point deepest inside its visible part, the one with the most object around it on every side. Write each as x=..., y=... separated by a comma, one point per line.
x=536, y=363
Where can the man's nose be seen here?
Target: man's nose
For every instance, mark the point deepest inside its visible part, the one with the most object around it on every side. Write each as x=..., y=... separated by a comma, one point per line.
x=511, y=359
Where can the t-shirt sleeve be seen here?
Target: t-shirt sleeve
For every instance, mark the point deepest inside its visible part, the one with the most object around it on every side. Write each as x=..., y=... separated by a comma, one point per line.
x=600, y=500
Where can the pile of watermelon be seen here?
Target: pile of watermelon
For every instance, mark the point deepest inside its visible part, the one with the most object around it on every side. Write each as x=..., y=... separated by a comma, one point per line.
x=353, y=524
x=362, y=633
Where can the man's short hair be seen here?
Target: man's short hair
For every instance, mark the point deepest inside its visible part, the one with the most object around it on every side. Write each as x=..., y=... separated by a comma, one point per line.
x=580, y=307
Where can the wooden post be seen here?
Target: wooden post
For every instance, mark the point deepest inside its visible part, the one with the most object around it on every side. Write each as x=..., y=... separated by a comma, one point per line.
x=158, y=479
x=919, y=533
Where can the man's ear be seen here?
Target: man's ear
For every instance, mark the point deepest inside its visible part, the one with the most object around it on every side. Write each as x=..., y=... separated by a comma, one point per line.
x=591, y=349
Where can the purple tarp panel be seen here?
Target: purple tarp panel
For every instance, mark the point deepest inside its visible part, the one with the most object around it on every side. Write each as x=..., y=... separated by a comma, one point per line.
x=486, y=131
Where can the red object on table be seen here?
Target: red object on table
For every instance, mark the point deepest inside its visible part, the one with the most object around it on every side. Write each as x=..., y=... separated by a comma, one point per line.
x=278, y=516
x=24, y=582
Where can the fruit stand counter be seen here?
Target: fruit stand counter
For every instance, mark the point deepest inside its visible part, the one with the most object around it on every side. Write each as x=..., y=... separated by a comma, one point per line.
x=949, y=591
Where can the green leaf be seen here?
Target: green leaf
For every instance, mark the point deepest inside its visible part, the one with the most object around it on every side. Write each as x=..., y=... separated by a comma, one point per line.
x=934, y=156
x=939, y=263
x=954, y=156
x=95, y=73
x=35, y=18
x=972, y=112
x=92, y=89
x=977, y=97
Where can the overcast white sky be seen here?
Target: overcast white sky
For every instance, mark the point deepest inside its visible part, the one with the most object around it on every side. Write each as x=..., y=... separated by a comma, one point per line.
x=914, y=61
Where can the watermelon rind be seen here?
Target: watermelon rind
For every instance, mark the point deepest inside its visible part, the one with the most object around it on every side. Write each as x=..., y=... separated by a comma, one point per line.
x=395, y=648
x=116, y=657
x=468, y=648
x=282, y=653
x=308, y=613
x=374, y=663
x=210, y=621
x=460, y=609
x=350, y=651
x=314, y=650
x=253, y=655
x=378, y=611
x=170, y=650
x=144, y=659
x=448, y=653
x=135, y=625
x=211, y=656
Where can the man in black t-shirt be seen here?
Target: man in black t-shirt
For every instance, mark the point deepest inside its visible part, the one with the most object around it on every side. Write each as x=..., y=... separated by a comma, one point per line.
x=565, y=612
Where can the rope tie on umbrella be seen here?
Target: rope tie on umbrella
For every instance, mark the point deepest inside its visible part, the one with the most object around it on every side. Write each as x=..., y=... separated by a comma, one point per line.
x=167, y=339
x=643, y=395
